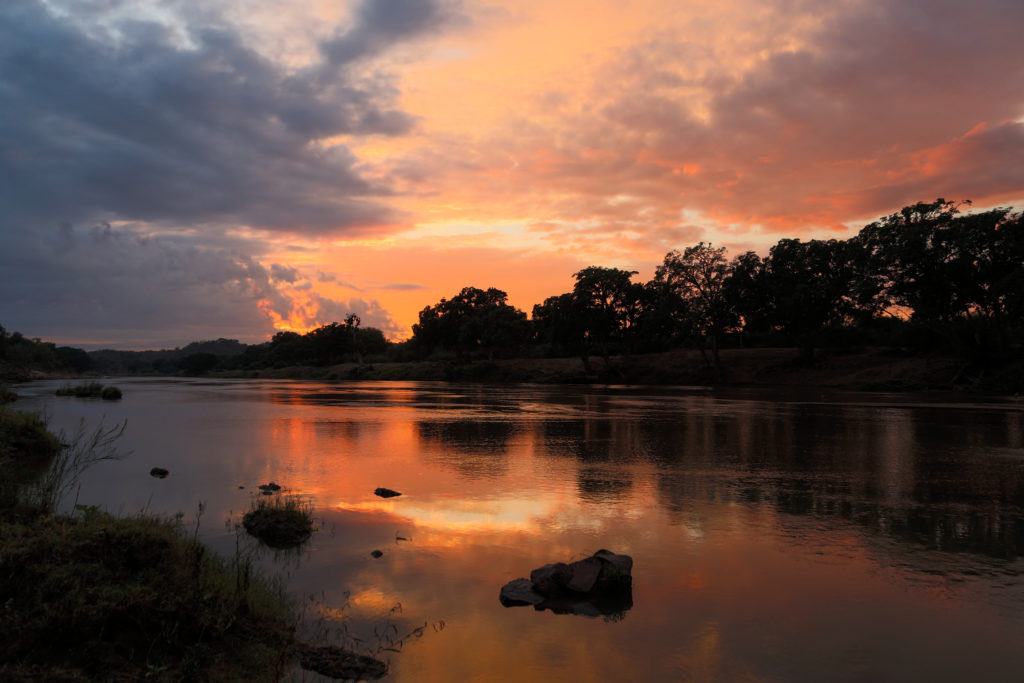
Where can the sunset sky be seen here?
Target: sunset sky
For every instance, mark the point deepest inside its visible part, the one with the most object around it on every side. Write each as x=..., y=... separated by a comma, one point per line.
x=176, y=170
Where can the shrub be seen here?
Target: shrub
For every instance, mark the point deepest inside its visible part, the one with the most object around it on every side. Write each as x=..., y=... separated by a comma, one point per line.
x=90, y=390
x=281, y=522
x=27, y=448
x=86, y=390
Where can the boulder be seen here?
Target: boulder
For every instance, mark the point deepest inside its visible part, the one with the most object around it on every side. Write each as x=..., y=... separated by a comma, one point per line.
x=551, y=579
x=616, y=571
x=519, y=592
x=584, y=575
x=598, y=585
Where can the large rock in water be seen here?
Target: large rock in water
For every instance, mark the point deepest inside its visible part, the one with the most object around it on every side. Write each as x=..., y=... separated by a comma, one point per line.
x=602, y=572
x=599, y=584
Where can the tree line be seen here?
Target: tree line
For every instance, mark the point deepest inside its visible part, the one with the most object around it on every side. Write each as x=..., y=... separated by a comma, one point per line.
x=927, y=277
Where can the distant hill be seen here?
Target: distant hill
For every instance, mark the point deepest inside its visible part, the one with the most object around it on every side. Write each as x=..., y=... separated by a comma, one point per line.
x=164, y=361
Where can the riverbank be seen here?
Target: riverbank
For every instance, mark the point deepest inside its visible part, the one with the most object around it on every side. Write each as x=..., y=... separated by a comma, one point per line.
x=863, y=370
x=92, y=596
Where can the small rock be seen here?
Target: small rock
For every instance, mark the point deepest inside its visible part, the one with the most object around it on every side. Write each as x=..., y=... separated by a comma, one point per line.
x=386, y=493
x=335, y=662
x=158, y=472
x=377, y=553
x=519, y=592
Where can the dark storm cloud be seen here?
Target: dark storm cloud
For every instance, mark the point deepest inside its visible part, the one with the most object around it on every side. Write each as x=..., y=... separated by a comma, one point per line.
x=380, y=24
x=137, y=124
x=168, y=123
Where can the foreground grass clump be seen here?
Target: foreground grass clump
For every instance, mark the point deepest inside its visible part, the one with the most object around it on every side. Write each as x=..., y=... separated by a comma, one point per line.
x=27, y=449
x=281, y=522
x=6, y=395
x=102, y=598
x=90, y=390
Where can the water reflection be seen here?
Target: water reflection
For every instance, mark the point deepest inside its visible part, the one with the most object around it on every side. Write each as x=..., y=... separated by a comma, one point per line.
x=775, y=537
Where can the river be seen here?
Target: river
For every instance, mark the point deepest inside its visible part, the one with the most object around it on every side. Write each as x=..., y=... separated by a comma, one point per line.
x=797, y=536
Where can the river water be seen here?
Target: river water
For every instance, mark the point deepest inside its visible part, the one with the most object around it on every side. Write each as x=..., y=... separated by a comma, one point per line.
x=794, y=536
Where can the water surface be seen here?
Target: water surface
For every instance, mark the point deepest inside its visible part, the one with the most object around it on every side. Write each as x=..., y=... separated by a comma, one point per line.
x=776, y=537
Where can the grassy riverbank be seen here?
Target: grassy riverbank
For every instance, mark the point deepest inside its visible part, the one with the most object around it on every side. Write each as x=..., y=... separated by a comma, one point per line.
x=91, y=596
x=867, y=369
x=96, y=597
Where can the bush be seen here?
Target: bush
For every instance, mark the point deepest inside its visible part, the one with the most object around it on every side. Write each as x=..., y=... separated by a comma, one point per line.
x=86, y=390
x=90, y=390
x=27, y=448
x=280, y=523
x=110, y=394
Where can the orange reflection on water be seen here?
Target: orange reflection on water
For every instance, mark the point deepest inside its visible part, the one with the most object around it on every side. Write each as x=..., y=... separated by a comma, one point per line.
x=750, y=540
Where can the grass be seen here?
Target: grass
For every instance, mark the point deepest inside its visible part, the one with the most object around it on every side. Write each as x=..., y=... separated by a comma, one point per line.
x=27, y=449
x=90, y=390
x=97, y=597
x=281, y=522
x=6, y=395
x=90, y=596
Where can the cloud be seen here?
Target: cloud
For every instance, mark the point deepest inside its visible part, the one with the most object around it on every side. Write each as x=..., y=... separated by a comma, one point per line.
x=113, y=283
x=798, y=117
x=379, y=25
x=282, y=273
x=176, y=132
x=400, y=287
x=186, y=123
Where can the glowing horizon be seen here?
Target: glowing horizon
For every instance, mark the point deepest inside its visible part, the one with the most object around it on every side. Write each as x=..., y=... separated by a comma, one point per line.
x=232, y=172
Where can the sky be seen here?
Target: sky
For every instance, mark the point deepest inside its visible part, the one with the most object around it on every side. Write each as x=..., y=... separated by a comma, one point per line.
x=178, y=170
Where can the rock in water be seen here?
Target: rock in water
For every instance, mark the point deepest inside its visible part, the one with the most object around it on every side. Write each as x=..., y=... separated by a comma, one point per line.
x=551, y=579
x=598, y=585
x=584, y=575
x=386, y=493
x=158, y=472
x=519, y=592
x=616, y=571
x=334, y=662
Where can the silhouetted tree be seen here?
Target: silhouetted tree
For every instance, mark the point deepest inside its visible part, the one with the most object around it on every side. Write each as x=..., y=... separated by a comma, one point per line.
x=698, y=277
x=474, y=319
x=810, y=285
x=610, y=302
x=960, y=276
x=561, y=321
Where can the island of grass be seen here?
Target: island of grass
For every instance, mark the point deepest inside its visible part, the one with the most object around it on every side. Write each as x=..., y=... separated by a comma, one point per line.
x=90, y=390
x=282, y=523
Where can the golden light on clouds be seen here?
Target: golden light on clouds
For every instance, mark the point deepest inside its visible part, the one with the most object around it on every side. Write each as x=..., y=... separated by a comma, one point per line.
x=393, y=153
